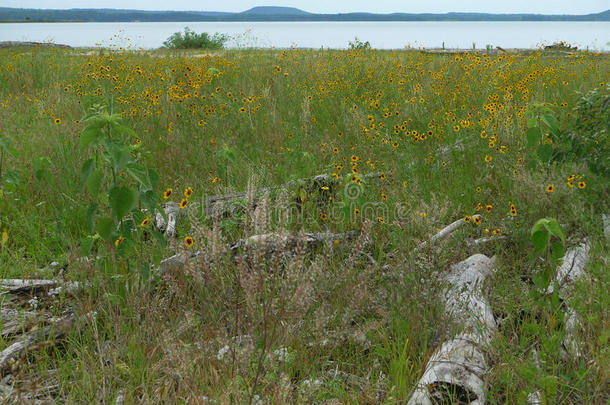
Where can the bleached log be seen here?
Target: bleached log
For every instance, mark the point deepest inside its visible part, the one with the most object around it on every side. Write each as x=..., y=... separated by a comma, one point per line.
x=13, y=321
x=264, y=245
x=172, y=211
x=457, y=370
x=275, y=241
x=217, y=205
x=606, y=225
x=56, y=330
x=16, y=286
x=446, y=231
x=571, y=270
x=54, y=287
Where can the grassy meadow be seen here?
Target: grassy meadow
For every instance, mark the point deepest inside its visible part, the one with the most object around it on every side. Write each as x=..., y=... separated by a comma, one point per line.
x=93, y=141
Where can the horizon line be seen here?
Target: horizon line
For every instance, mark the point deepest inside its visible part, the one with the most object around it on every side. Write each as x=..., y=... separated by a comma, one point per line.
x=309, y=12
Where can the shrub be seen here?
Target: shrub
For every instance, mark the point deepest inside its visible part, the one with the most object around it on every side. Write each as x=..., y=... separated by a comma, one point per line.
x=191, y=39
x=358, y=44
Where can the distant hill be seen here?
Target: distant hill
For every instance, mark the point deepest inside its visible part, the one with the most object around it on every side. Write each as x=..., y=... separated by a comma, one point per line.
x=271, y=10
x=267, y=13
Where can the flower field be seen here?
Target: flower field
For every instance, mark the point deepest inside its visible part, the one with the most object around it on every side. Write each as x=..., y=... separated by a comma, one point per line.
x=95, y=145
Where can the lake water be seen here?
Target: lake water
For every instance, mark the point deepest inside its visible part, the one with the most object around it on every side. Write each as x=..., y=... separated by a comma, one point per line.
x=381, y=35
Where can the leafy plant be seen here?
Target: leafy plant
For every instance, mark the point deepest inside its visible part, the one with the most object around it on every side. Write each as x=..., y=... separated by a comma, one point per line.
x=542, y=129
x=357, y=44
x=191, y=39
x=544, y=235
x=589, y=140
x=115, y=179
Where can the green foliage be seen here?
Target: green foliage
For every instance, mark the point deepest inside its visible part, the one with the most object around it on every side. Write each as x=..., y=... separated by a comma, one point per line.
x=191, y=40
x=586, y=141
x=115, y=179
x=541, y=236
x=357, y=44
x=542, y=130
x=589, y=139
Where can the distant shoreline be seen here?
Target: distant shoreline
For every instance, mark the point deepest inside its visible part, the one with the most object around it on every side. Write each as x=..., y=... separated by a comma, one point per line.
x=270, y=14
x=196, y=52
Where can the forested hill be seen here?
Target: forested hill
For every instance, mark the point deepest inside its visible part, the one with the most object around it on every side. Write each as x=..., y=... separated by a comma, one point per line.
x=268, y=14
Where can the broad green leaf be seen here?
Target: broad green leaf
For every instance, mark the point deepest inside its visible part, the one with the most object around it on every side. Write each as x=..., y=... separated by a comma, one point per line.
x=85, y=171
x=541, y=239
x=554, y=228
x=104, y=227
x=90, y=218
x=552, y=123
x=122, y=129
x=558, y=250
x=140, y=174
x=122, y=200
x=533, y=137
x=150, y=201
x=118, y=155
x=545, y=153
x=154, y=178
x=86, y=244
x=532, y=122
x=94, y=182
x=539, y=225
x=88, y=136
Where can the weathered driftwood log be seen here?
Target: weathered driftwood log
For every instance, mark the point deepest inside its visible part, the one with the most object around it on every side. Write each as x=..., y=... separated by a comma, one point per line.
x=172, y=211
x=456, y=371
x=226, y=205
x=446, y=231
x=14, y=320
x=262, y=245
x=56, y=330
x=54, y=287
x=571, y=270
x=16, y=286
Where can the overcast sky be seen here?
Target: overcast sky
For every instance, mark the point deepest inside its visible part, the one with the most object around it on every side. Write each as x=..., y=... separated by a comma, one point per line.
x=336, y=6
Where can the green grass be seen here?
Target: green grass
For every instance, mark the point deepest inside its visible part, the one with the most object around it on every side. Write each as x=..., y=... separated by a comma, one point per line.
x=266, y=117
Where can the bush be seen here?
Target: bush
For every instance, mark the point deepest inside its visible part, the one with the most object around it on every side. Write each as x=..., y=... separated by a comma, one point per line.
x=358, y=44
x=191, y=39
x=589, y=140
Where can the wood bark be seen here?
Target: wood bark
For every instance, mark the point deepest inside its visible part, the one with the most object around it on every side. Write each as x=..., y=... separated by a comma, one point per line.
x=263, y=245
x=225, y=205
x=456, y=371
x=56, y=330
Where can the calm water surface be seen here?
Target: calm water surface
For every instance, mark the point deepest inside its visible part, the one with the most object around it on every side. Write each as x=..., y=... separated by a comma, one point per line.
x=382, y=35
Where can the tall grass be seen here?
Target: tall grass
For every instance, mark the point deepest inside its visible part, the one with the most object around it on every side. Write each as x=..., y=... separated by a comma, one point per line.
x=352, y=323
